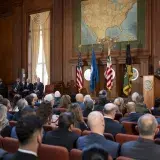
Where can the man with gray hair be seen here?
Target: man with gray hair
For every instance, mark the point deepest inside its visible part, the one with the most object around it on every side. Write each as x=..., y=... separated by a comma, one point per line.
x=89, y=105
x=111, y=126
x=144, y=148
x=79, y=100
x=96, y=124
x=132, y=115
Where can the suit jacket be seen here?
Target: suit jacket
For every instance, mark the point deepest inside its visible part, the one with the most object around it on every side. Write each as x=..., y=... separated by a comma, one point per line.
x=132, y=117
x=39, y=87
x=113, y=127
x=111, y=147
x=23, y=156
x=61, y=137
x=141, y=108
x=18, y=87
x=29, y=87
x=142, y=149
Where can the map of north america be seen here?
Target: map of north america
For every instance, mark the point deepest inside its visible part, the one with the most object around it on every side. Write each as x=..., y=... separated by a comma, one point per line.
x=108, y=18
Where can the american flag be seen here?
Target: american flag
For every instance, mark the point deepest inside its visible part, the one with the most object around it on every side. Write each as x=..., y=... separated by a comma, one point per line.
x=109, y=73
x=79, y=74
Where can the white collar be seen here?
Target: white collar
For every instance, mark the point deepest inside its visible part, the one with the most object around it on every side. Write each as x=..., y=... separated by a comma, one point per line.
x=108, y=117
x=28, y=152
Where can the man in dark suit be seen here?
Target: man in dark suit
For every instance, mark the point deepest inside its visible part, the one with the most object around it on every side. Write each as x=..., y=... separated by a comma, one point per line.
x=63, y=136
x=3, y=89
x=97, y=125
x=17, y=88
x=28, y=88
x=111, y=126
x=132, y=115
x=144, y=148
x=29, y=133
x=38, y=88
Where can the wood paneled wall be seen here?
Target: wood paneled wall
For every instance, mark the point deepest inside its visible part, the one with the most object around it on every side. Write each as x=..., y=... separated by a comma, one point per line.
x=14, y=39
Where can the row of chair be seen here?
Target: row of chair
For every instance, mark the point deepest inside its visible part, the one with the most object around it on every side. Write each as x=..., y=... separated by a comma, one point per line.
x=47, y=151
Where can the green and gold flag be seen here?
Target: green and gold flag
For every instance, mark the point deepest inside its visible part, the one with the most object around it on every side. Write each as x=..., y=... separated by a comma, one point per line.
x=127, y=84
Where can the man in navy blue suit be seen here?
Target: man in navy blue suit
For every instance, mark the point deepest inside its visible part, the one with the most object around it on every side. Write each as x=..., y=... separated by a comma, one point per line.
x=38, y=88
x=111, y=126
x=132, y=115
x=144, y=148
x=97, y=125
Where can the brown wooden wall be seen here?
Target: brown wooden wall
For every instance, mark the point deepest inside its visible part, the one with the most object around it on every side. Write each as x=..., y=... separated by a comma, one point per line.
x=14, y=20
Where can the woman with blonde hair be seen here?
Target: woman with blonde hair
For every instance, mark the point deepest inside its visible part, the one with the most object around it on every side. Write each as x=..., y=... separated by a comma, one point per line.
x=5, y=129
x=78, y=117
x=65, y=101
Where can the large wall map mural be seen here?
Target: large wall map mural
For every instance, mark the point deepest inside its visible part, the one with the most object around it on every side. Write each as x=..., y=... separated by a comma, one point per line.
x=111, y=18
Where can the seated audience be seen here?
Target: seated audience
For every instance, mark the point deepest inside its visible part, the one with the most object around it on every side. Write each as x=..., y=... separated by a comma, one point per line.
x=16, y=98
x=3, y=89
x=119, y=102
x=4, y=123
x=21, y=104
x=27, y=87
x=29, y=133
x=132, y=115
x=1, y=98
x=156, y=108
x=57, y=98
x=94, y=152
x=7, y=103
x=44, y=112
x=35, y=99
x=63, y=136
x=16, y=88
x=24, y=112
x=102, y=100
x=111, y=126
x=97, y=125
x=89, y=106
x=79, y=100
x=144, y=148
x=65, y=101
x=78, y=115
x=87, y=97
x=49, y=98
x=134, y=96
x=31, y=101
x=38, y=88
x=140, y=106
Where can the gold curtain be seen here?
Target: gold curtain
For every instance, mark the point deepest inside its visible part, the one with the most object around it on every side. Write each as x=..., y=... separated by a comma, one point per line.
x=35, y=41
x=46, y=40
x=40, y=22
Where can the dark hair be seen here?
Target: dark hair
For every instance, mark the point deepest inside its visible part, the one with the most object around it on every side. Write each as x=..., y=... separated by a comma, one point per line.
x=27, y=111
x=29, y=99
x=26, y=127
x=94, y=152
x=16, y=98
x=66, y=119
x=157, y=103
x=44, y=111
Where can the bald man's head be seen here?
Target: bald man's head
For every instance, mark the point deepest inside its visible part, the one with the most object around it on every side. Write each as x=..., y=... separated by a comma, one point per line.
x=131, y=107
x=147, y=125
x=110, y=110
x=96, y=122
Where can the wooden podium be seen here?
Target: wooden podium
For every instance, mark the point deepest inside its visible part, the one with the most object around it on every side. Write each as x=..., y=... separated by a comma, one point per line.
x=151, y=90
